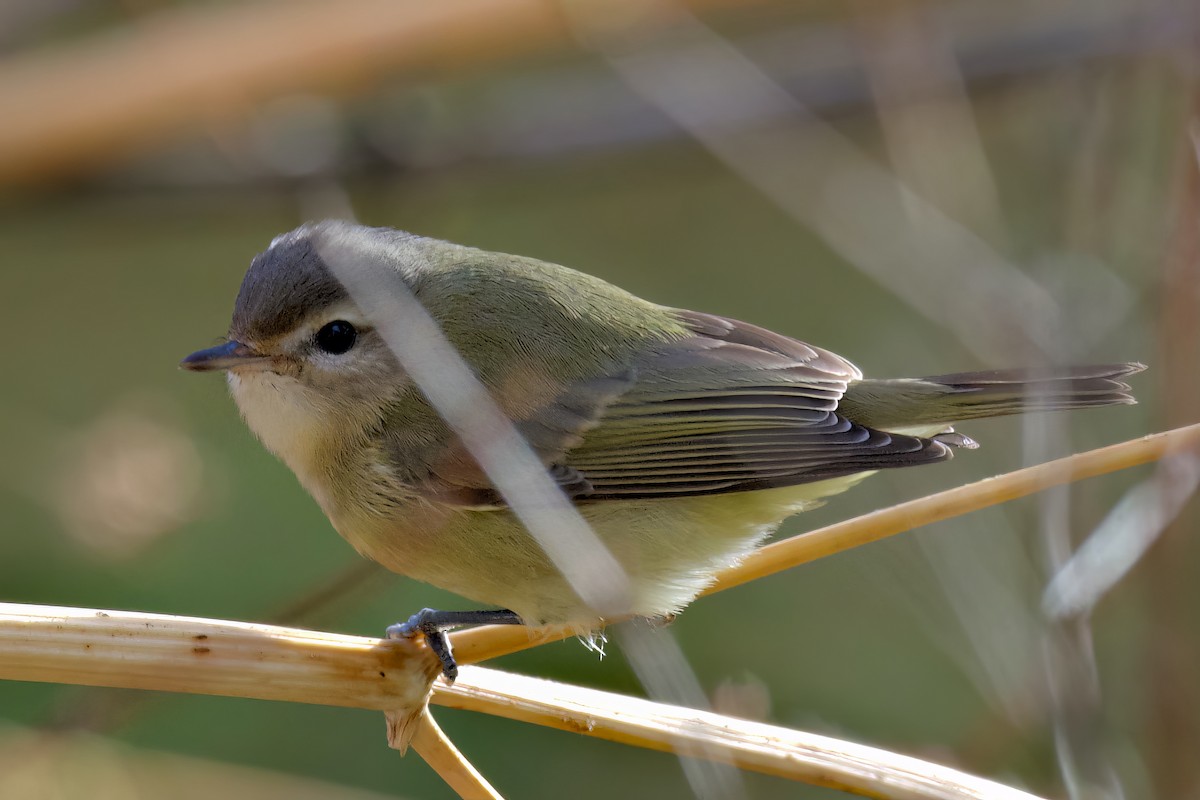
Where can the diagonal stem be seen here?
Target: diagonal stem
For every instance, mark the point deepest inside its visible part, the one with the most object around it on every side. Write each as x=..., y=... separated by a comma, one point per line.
x=480, y=644
x=432, y=744
x=796, y=755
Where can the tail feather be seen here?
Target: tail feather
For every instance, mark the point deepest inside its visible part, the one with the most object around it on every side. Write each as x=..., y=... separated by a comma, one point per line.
x=1101, y=382
x=908, y=404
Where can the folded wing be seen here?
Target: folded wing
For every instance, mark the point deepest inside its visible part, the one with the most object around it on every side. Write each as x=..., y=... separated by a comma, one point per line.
x=732, y=407
x=735, y=407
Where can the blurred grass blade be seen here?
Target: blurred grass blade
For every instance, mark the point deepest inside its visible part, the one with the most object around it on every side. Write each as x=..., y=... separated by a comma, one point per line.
x=1122, y=538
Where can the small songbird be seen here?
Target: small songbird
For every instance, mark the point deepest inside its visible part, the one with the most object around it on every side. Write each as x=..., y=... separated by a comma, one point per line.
x=683, y=438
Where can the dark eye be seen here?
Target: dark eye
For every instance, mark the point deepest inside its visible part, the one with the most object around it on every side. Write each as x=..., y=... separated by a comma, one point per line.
x=336, y=337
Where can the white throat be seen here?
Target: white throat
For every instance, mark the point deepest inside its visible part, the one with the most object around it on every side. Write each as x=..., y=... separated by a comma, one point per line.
x=291, y=422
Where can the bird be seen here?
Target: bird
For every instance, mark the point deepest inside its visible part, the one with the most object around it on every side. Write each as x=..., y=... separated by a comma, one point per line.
x=682, y=438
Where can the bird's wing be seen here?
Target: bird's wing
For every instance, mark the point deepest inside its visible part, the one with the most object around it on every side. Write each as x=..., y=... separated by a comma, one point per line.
x=734, y=407
x=731, y=407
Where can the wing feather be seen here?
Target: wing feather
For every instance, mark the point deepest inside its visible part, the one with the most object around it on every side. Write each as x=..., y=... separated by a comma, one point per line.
x=732, y=407
x=736, y=407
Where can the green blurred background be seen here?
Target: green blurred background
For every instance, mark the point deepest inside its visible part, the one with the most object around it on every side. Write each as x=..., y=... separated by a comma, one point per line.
x=1057, y=133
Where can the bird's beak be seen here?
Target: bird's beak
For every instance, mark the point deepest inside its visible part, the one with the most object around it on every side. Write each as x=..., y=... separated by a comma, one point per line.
x=231, y=355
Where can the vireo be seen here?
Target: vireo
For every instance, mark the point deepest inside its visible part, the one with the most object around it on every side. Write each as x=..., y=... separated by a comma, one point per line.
x=683, y=438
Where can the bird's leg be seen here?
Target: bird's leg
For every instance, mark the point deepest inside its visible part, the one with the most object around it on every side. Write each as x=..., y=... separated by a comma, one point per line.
x=433, y=624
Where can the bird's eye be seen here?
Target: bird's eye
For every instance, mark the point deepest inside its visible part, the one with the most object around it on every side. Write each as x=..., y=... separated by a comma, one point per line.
x=336, y=337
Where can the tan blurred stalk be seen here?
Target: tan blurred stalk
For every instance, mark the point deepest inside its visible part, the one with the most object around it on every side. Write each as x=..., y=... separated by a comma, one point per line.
x=1172, y=645
x=48, y=764
x=71, y=106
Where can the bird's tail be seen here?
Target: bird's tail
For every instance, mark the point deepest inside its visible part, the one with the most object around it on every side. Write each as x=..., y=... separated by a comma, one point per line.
x=919, y=405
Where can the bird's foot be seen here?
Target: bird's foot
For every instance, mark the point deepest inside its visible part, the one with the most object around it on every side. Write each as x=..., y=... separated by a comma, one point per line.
x=434, y=624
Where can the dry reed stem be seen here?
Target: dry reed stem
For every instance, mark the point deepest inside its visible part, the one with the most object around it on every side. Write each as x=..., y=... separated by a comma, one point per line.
x=806, y=757
x=480, y=644
x=203, y=656
x=199, y=656
x=236, y=659
x=440, y=753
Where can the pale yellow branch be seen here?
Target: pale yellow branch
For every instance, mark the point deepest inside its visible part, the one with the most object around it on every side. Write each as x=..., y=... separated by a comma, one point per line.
x=204, y=656
x=441, y=754
x=480, y=644
x=954, y=503
x=183, y=654
x=807, y=757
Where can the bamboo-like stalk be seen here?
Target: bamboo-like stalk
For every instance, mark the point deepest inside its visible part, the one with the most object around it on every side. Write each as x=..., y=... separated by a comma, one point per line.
x=200, y=656
x=483, y=643
x=800, y=756
x=133, y=650
x=440, y=753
